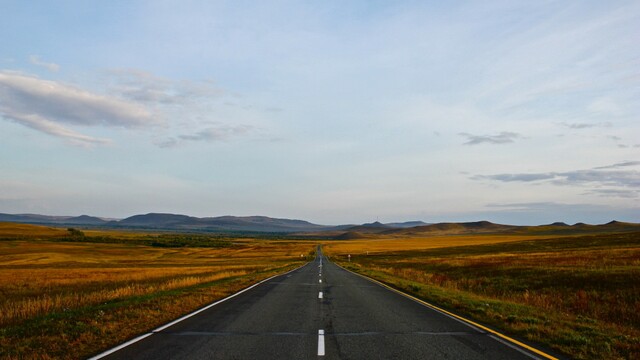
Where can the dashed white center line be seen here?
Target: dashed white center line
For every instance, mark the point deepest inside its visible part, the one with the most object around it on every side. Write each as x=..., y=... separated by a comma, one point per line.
x=320, y=295
x=320, y=342
x=320, y=281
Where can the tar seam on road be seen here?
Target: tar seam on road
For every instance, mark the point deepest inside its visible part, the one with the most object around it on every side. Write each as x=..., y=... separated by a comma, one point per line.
x=498, y=336
x=135, y=340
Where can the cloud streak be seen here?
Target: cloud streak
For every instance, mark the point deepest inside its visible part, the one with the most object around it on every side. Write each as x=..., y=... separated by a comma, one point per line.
x=144, y=87
x=45, y=105
x=504, y=137
x=611, y=180
x=210, y=134
x=619, y=193
x=39, y=123
x=577, y=177
x=619, y=165
x=580, y=126
x=35, y=60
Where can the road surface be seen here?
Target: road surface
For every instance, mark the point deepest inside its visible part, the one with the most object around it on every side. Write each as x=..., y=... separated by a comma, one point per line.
x=320, y=311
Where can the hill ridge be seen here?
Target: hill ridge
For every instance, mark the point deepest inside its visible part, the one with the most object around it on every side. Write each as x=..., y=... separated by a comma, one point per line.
x=260, y=223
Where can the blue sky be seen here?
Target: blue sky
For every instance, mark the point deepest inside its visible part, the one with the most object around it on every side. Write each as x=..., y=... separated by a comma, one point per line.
x=329, y=111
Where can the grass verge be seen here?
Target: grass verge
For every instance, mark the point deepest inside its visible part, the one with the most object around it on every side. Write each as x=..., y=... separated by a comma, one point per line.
x=72, y=300
x=579, y=296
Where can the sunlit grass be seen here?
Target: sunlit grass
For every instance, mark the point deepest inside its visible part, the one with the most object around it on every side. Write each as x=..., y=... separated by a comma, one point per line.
x=384, y=244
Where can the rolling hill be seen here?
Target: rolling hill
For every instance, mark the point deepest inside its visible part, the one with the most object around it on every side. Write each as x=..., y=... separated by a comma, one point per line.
x=46, y=219
x=178, y=222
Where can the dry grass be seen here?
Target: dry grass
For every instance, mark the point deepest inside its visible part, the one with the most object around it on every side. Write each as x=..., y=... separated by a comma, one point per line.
x=387, y=244
x=63, y=299
x=71, y=300
x=15, y=230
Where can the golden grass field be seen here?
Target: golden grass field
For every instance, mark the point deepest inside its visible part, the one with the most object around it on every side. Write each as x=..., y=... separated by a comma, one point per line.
x=66, y=297
x=382, y=244
x=73, y=299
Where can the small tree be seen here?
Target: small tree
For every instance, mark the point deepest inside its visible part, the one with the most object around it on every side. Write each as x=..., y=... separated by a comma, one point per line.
x=75, y=233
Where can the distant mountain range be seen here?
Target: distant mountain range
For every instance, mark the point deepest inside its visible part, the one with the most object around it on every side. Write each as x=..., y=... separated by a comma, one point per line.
x=481, y=227
x=46, y=219
x=177, y=222
x=163, y=221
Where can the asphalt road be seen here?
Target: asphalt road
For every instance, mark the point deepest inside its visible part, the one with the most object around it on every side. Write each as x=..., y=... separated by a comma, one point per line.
x=320, y=310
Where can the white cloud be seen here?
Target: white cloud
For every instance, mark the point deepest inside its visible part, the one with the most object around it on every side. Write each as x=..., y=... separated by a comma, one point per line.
x=35, y=60
x=44, y=105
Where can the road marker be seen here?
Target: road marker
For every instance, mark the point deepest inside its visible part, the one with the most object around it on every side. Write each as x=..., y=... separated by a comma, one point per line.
x=320, y=295
x=320, y=342
x=320, y=281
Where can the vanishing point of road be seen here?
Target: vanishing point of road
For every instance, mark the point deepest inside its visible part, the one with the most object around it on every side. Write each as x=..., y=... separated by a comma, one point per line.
x=319, y=311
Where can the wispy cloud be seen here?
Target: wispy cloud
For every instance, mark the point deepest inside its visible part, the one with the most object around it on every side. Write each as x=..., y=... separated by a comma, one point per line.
x=539, y=206
x=578, y=126
x=210, y=134
x=189, y=101
x=45, y=105
x=577, y=177
x=620, y=193
x=517, y=177
x=619, y=165
x=605, y=106
x=142, y=86
x=605, y=179
x=504, y=137
x=35, y=60
x=46, y=126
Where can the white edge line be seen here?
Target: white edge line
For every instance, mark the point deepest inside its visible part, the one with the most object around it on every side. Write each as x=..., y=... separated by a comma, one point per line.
x=135, y=340
x=121, y=346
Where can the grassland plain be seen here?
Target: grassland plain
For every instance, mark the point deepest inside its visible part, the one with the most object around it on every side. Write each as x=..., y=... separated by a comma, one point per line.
x=64, y=298
x=578, y=295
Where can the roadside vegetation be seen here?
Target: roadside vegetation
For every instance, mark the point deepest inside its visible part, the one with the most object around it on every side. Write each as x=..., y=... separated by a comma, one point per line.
x=64, y=295
x=579, y=296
